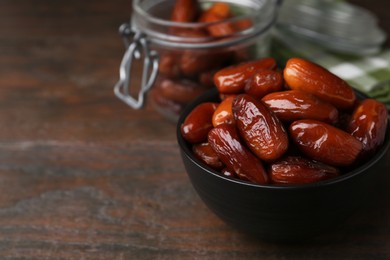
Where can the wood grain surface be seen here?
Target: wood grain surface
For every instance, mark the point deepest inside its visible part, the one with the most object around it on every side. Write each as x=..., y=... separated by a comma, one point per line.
x=82, y=176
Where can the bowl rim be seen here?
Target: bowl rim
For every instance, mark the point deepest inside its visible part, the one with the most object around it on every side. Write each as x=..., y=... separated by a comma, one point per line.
x=209, y=95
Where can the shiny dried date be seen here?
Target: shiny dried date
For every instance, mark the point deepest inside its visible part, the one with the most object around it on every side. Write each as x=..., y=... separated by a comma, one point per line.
x=368, y=124
x=198, y=123
x=260, y=128
x=225, y=141
x=232, y=79
x=264, y=82
x=207, y=155
x=298, y=170
x=224, y=113
x=293, y=105
x=325, y=143
x=310, y=77
x=228, y=173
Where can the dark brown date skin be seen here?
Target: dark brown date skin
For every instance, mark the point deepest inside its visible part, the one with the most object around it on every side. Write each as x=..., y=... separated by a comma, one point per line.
x=179, y=90
x=168, y=65
x=368, y=124
x=172, y=62
x=293, y=105
x=228, y=173
x=198, y=123
x=232, y=79
x=185, y=11
x=325, y=143
x=260, y=128
x=224, y=113
x=225, y=96
x=225, y=141
x=218, y=12
x=298, y=170
x=165, y=104
x=310, y=77
x=192, y=63
x=206, y=78
x=207, y=155
x=264, y=82
x=221, y=29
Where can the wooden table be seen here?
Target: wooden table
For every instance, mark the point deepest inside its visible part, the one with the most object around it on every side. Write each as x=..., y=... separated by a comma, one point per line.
x=82, y=176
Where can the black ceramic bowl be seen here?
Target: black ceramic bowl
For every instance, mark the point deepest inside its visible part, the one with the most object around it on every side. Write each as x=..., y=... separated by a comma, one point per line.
x=280, y=212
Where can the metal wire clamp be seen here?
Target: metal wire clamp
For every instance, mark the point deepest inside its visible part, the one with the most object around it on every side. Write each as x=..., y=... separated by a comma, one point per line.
x=137, y=49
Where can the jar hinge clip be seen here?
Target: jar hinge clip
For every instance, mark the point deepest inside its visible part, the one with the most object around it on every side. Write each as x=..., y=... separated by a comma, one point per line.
x=136, y=49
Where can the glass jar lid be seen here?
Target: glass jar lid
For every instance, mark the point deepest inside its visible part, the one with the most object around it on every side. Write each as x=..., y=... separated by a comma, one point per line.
x=335, y=25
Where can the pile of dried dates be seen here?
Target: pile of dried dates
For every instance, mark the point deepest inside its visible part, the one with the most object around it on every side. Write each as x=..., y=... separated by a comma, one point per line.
x=186, y=73
x=294, y=126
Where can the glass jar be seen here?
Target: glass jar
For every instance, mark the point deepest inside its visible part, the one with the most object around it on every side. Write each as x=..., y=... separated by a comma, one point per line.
x=180, y=58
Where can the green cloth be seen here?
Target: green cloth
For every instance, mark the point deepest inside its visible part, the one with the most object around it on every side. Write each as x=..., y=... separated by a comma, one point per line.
x=369, y=74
